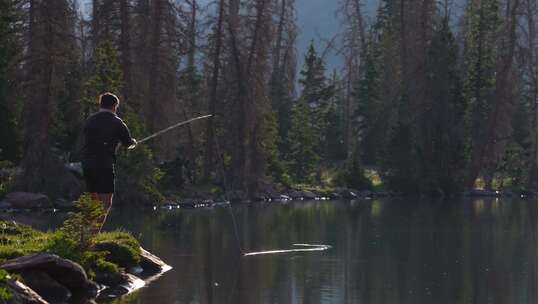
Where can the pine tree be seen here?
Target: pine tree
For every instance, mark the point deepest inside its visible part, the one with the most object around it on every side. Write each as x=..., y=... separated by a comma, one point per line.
x=316, y=92
x=482, y=25
x=302, y=158
x=316, y=95
x=335, y=149
x=9, y=48
x=367, y=117
x=400, y=164
x=445, y=120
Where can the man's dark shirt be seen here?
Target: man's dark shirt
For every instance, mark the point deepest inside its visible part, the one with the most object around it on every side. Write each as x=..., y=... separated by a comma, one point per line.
x=102, y=133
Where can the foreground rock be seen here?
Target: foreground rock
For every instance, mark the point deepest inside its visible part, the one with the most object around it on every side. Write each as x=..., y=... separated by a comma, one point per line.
x=23, y=294
x=51, y=279
x=150, y=263
x=150, y=268
x=26, y=200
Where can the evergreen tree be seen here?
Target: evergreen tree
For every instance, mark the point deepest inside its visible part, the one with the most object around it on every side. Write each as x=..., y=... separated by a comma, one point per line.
x=302, y=158
x=367, y=117
x=9, y=48
x=316, y=95
x=335, y=149
x=445, y=120
x=400, y=164
x=482, y=25
x=313, y=80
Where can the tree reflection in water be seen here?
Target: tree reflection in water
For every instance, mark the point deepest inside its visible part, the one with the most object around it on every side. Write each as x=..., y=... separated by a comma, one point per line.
x=383, y=252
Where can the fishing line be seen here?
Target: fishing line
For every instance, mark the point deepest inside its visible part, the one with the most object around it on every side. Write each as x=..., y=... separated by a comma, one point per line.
x=225, y=186
x=306, y=248
x=299, y=247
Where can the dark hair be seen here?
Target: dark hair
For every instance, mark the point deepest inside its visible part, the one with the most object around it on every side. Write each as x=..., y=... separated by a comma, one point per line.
x=108, y=101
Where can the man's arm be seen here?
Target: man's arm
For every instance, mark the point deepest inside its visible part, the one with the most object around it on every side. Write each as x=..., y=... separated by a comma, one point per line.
x=125, y=137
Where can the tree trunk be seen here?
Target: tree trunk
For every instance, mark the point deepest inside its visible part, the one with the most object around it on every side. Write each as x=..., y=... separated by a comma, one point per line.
x=498, y=126
x=125, y=49
x=213, y=89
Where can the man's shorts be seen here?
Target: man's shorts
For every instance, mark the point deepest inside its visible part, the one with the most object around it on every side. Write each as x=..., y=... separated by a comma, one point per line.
x=99, y=180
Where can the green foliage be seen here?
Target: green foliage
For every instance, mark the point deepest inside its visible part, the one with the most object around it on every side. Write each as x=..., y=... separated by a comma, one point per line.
x=315, y=130
x=17, y=240
x=94, y=262
x=513, y=169
x=65, y=246
x=7, y=172
x=80, y=227
x=138, y=177
x=334, y=149
x=400, y=165
x=442, y=171
x=368, y=116
x=5, y=294
x=10, y=17
x=316, y=92
x=480, y=57
x=121, y=247
x=354, y=176
x=302, y=158
x=107, y=76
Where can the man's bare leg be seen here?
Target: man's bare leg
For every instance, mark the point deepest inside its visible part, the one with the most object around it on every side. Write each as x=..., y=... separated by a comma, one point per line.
x=106, y=199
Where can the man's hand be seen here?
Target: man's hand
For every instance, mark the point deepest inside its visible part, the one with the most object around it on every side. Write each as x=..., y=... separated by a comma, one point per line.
x=133, y=145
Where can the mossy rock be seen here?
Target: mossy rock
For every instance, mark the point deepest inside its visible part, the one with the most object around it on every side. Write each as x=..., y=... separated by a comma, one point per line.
x=123, y=249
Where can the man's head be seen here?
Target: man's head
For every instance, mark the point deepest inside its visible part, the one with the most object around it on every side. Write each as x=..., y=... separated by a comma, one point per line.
x=109, y=101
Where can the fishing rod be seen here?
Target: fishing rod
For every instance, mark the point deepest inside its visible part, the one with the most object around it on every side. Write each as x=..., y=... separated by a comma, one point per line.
x=170, y=129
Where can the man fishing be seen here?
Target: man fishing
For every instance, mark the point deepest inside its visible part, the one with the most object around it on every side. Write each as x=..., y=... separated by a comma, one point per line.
x=102, y=133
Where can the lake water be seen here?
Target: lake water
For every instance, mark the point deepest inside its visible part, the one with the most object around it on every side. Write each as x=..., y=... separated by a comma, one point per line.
x=383, y=252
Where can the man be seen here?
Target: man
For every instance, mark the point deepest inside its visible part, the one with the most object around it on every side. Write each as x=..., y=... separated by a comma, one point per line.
x=102, y=133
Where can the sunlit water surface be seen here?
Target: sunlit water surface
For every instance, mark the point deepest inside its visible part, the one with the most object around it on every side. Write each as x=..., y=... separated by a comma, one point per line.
x=383, y=252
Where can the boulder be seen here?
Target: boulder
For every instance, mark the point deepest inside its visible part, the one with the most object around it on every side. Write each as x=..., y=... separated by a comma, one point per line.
x=236, y=196
x=23, y=294
x=46, y=287
x=280, y=197
x=65, y=204
x=367, y=193
x=307, y=195
x=65, y=272
x=27, y=200
x=260, y=197
x=348, y=194
x=296, y=195
x=150, y=263
x=335, y=196
x=128, y=283
x=109, y=278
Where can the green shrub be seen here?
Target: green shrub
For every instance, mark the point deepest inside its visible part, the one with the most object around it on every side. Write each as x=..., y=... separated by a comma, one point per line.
x=80, y=227
x=5, y=293
x=17, y=240
x=95, y=262
x=64, y=246
x=354, y=177
x=122, y=248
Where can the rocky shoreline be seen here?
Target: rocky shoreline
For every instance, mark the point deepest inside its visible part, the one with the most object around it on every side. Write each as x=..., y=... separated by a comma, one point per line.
x=24, y=201
x=47, y=278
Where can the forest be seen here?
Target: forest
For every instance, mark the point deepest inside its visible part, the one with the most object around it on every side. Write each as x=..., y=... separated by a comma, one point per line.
x=428, y=101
